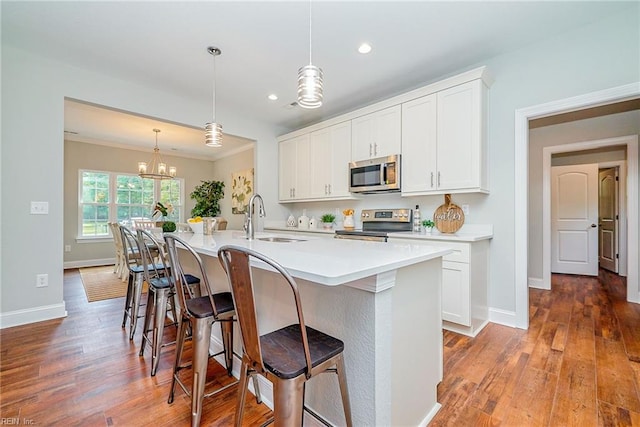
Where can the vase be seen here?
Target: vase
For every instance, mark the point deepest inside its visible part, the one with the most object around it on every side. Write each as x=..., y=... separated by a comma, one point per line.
x=349, y=223
x=327, y=225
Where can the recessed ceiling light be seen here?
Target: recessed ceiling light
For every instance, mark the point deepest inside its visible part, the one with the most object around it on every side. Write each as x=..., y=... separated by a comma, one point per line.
x=273, y=97
x=364, y=48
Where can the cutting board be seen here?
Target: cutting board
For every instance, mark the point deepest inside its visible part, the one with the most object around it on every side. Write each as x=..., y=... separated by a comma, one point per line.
x=449, y=217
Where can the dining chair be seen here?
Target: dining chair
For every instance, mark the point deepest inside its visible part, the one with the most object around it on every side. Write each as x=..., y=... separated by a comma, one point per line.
x=199, y=314
x=143, y=223
x=119, y=267
x=289, y=356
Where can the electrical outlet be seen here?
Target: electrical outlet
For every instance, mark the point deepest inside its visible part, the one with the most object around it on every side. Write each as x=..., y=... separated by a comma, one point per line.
x=42, y=280
x=67, y=248
x=39, y=208
x=465, y=209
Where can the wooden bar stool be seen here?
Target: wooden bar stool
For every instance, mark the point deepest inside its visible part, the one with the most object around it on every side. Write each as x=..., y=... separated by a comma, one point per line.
x=199, y=313
x=289, y=356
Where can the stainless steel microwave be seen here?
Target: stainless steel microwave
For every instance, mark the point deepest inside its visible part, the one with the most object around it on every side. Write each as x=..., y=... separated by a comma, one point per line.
x=381, y=174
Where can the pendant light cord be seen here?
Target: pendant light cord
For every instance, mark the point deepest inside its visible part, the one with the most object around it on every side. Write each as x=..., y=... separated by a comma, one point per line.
x=214, y=89
x=310, y=32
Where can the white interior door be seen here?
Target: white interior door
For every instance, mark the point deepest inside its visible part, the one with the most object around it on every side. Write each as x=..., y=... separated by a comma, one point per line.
x=574, y=219
x=608, y=219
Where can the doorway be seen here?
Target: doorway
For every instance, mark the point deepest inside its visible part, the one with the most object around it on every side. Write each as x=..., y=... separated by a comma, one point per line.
x=521, y=196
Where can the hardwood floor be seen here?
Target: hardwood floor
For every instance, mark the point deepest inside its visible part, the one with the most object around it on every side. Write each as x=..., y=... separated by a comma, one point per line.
x=578, y=364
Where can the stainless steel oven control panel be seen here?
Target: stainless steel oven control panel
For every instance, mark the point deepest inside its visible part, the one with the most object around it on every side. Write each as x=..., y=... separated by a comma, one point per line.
x=386, y=215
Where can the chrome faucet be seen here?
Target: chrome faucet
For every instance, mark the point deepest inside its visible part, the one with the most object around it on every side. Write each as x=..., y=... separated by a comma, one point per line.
x=248, y=226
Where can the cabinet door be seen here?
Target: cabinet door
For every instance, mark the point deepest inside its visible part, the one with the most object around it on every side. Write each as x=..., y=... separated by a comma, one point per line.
x=459, y=136
x=303, y=160
x=287, y=169
x=340, y=137
x=363, y=131
x=455, y=293
x=419, y=172
x=377, y=134
x=387, y=140
x=320, y=165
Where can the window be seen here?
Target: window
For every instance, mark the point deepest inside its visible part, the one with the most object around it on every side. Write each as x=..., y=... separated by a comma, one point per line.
x=115, y=197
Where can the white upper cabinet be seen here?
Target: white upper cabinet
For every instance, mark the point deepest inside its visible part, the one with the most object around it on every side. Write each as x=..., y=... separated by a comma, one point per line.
x=330, y=155
x=438, y=129
x=419, y=171
x=294, y=180
x=315, y=165
x=377, y=134
x=443, y=144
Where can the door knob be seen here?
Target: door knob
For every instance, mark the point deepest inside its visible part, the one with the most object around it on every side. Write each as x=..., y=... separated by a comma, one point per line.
x=593, y=226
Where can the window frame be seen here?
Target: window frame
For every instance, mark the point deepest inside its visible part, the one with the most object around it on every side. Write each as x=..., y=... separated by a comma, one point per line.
x=113, y=205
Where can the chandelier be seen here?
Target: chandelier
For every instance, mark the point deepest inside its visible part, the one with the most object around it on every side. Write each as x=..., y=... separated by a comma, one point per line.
x=148, y=170
x=213, y=130
x=310, y=85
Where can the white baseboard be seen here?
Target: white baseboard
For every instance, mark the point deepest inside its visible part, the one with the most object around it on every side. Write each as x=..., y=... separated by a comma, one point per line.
x=89, y=263
x=31, y=315
x=538, y=283
x=502, y=317
x=432, y=413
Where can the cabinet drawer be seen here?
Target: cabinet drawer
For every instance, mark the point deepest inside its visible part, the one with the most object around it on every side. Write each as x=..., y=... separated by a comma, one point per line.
x=460, y=250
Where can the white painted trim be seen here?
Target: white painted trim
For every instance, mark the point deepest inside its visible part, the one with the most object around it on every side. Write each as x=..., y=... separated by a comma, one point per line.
x=537, y=283
x=631, y=142
x=521, y=190
x=503, y=317
x=378, y=283
x=89, y=263
x=31, y=315
x=432, y=413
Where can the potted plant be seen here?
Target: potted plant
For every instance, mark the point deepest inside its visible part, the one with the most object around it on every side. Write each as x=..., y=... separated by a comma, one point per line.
x=327, y=220
x=207, y=196
x=428, y=225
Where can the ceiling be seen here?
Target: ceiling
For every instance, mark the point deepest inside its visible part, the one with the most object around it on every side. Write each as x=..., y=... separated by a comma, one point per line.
x=162, y=44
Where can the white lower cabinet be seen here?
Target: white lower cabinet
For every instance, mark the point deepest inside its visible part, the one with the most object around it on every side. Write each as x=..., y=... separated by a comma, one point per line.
x=465, y=281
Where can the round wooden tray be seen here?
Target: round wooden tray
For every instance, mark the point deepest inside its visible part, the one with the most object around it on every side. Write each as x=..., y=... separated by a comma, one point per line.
x=449, y=217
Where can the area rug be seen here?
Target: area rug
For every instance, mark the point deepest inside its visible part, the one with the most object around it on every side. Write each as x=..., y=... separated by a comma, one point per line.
x=102, y=283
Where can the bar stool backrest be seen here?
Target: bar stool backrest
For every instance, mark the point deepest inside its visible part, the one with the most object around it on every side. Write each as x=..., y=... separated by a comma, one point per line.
x=146, y=243
x=236, y=261
x=130, y=248
x=175, y=257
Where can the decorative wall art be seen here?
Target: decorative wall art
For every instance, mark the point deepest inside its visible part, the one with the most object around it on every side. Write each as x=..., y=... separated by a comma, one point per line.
x=241, y=190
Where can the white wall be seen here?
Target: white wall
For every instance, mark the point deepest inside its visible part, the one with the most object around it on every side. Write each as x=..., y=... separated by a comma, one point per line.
x=33, y=92
x=223, y=169
x=595, y=57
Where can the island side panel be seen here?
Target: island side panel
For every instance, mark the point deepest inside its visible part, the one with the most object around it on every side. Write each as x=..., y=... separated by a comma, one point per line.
x=350, y=315
x=417, y=343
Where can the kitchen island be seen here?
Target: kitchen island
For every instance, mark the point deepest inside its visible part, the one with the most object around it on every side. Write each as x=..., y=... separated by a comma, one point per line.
x=381, y=299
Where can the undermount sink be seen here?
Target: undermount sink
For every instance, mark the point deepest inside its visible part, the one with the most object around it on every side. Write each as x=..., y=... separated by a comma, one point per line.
x=279, y=239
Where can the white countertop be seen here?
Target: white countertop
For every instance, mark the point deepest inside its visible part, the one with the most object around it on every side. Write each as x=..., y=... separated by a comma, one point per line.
x=326, y=261
x=468, y=233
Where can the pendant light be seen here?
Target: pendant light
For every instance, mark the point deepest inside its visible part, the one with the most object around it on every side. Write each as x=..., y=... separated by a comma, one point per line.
x=310, y=84
x=213, y=130
x=158, y=168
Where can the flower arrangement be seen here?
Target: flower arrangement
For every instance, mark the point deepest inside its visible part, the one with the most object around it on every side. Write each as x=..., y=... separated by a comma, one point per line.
x=162, y=209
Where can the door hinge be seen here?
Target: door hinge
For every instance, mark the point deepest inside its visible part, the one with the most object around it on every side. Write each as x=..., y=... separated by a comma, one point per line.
x=617, y=217
x=617, y=256
x=617, y=178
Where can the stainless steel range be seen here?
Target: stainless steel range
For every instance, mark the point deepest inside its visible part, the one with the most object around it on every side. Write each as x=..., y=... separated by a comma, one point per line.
x=377, y=223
